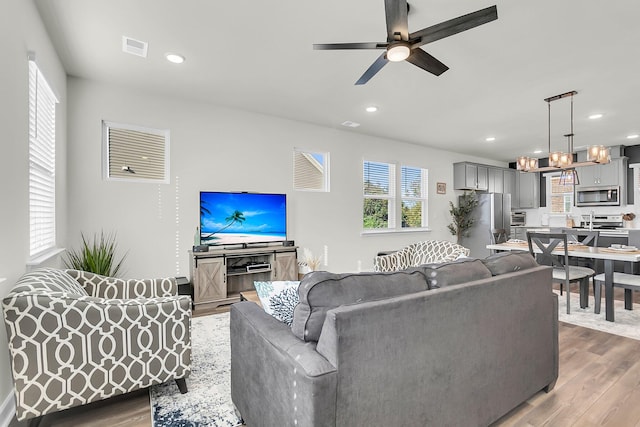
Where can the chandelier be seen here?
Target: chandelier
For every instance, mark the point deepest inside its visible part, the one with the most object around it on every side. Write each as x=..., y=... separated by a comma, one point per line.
x=563, y=160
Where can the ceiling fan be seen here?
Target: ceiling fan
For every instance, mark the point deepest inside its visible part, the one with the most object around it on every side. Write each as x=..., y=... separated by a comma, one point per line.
x=402, y=45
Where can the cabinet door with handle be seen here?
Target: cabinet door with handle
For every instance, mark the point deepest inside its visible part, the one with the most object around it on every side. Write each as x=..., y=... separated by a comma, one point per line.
x=209, y=280
x=286, y=266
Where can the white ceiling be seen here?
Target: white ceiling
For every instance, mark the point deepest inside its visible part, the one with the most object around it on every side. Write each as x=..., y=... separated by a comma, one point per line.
x=258, y=56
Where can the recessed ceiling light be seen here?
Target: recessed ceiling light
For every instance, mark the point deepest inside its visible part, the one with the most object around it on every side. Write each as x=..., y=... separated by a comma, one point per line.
x=371, y=109
x=490, y=139
x=175, y=58
x=633, y=136
x=537, y=152
x=595, y=116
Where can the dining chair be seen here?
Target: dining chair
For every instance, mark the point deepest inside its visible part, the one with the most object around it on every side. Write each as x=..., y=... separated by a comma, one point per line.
x=586, y=238
x=497, y=235
x=541, y=247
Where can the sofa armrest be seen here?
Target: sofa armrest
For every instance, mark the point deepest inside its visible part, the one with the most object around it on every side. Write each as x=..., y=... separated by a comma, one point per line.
x=84, y=349
x=274, y=375
x=113, y=287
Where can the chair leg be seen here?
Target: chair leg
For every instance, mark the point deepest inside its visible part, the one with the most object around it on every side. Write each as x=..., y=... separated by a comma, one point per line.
x=597, y=295
x=628, y=299
x=568, y=297
x=182, y=385
x=584, y=292
x=560, y=288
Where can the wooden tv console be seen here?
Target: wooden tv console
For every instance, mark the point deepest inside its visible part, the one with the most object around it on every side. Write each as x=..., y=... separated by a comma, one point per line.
x=219, y=275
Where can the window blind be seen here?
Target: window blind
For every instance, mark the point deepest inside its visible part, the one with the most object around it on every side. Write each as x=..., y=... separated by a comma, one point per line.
x=379, y=188
x=414, y=196
x=42, y=163
x=135, y=153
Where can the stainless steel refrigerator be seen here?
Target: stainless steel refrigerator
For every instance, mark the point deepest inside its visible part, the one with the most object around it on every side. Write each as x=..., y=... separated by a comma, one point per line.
x=493, y=211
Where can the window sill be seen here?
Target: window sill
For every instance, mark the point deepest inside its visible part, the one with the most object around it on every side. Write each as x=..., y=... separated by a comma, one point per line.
x=394, y=231
x=40, y=258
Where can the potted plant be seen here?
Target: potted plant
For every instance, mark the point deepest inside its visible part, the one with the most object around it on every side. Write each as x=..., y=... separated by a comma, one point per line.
x=628, y=219
x=97, y=256
x=462, y=215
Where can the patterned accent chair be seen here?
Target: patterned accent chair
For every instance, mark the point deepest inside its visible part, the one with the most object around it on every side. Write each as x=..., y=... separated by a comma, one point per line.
x=77, y=337
x=427, y=252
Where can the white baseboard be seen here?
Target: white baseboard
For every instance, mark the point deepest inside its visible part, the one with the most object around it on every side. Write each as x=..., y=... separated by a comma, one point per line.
x=7, y=410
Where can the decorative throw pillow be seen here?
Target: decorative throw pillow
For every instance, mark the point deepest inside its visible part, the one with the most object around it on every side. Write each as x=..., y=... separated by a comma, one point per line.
x=278, y=298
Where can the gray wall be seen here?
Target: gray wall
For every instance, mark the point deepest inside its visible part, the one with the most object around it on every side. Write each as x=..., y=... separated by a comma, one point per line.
x=220, y=149
x=22, y=31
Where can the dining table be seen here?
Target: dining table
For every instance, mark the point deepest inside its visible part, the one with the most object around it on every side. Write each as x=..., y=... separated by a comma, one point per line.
x=608, y=255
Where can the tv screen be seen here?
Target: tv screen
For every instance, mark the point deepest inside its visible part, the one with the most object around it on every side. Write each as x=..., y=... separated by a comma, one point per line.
x=242, y=218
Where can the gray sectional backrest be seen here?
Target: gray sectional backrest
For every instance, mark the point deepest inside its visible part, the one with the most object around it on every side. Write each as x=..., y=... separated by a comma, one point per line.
x=321, y=291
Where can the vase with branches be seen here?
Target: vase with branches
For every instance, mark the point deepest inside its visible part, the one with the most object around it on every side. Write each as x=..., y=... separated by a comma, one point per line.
x=462, y=215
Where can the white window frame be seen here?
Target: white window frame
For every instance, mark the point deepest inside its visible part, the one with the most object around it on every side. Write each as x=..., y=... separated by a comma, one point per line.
x=42, y=163
x=322, y=167
x=395, y=199
x=165, y=133
x=549, y=185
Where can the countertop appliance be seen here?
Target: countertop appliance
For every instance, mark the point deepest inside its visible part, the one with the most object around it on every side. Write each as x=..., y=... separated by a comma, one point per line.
x=518, y=219
x=601, y=221
x=493, y=211
x=598, y=196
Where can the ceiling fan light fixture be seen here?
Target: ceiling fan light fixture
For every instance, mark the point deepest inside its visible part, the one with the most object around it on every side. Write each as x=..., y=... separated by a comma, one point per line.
x=398, y=52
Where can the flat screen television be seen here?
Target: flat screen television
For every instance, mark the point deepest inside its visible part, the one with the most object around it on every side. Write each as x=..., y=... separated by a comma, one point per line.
x=233, y=218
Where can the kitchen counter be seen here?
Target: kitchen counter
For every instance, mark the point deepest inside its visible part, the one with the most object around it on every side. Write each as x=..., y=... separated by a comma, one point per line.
x=616, y=232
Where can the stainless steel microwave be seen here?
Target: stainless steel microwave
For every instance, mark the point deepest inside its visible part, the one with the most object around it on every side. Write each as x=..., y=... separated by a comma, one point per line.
x=598, y=196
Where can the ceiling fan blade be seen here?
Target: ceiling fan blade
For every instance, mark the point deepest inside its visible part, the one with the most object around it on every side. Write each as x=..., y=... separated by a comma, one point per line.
x=422, y=59
x=397, y=21
x=453, y=26
x=333, y=46
x=373, y=69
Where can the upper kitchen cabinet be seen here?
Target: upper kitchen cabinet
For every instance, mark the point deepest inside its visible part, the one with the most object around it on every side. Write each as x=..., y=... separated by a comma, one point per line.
x=496, y=181
x=610, y=174
x=470, y=176
x=509, y=182
x=528, y=194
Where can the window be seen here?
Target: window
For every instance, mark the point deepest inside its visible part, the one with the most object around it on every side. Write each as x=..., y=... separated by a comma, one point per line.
x=135, y=153
x=42, y=163
x=310, y=170
x=560, y=194
x=381, y=201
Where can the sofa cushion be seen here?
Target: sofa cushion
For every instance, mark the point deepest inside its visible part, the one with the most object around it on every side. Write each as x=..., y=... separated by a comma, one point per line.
x=278, y=298
x=454, y=272
x=507, y=262
x=321, y=291
x=48, y=279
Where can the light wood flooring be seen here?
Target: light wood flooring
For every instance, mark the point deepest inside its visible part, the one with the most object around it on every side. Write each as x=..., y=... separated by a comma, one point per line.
x=599, y=385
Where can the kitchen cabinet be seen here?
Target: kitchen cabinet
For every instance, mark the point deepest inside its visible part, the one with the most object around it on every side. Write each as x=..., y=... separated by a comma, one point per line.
x=496, y=181
x=509, y=182
x=470, y=176
x=603, y=175
x=528, y=191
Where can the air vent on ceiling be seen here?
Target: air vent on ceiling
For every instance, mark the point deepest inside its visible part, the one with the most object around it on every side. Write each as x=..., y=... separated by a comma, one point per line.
x=134, y=47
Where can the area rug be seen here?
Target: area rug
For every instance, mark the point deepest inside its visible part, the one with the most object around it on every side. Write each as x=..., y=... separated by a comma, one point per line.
x=208, y=402
x=627, y=322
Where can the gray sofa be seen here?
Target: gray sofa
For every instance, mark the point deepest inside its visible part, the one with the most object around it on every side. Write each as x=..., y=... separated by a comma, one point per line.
x=456, y=344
